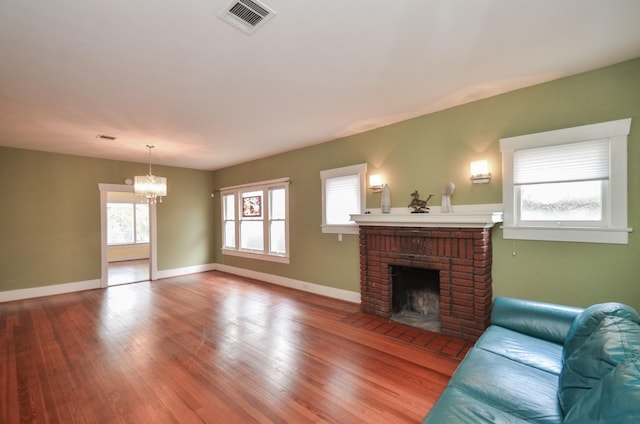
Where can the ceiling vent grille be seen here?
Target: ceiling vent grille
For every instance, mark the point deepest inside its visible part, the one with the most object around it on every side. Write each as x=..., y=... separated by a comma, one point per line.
x=248, y=15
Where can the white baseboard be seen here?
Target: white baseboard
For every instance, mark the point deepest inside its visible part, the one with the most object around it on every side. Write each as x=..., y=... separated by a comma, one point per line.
x=175, y=272
x=347, y=295
x=333, y=292
x=8, y=296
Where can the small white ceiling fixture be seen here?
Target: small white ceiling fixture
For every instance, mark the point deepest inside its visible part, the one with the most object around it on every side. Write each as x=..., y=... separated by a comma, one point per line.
x=248, y=15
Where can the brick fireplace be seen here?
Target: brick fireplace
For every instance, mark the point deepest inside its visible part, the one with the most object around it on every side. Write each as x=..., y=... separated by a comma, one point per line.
x=461, y=255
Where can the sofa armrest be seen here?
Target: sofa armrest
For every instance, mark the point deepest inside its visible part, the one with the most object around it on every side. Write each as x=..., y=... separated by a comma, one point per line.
x=546, y=321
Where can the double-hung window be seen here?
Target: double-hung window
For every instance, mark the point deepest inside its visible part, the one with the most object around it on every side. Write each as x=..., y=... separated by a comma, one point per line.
x=343, y=194
x=255, y=220
x=567, y=185
x=127, y=223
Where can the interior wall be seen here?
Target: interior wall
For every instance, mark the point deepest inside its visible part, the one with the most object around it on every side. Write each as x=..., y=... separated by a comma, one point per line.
x=127, y=252
x=427, y=152
x=50, y=217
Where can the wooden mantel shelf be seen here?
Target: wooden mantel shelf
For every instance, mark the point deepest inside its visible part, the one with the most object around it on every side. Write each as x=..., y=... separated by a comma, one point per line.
x=463, y=216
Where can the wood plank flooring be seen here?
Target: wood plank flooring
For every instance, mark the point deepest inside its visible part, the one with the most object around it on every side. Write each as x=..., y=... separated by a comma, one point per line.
x=124, y=272
x=208, y=348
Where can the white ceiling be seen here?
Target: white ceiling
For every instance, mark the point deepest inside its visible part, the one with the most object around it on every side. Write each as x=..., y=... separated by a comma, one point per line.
x=173, y=74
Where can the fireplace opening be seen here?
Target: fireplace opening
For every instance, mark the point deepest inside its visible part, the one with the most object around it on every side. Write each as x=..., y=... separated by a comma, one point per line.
x=415, y=297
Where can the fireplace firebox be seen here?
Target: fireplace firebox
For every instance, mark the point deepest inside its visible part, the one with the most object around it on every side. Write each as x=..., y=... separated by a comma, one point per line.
x=461, y=258
x=415, y=297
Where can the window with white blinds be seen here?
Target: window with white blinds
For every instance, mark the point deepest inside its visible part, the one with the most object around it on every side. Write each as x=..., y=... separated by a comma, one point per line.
x=567, y=185
x=343, y=198
x=343, y=194
x=566, y=182
x=581, y=161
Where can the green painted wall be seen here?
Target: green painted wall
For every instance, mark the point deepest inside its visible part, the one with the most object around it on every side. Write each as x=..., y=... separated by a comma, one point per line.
x=50, y=217
x=426, y=152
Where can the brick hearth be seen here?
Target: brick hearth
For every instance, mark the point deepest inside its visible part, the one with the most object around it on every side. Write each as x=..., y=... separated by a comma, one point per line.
x=461, y=255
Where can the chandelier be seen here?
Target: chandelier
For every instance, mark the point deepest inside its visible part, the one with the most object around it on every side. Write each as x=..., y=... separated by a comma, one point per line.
x=153, y=188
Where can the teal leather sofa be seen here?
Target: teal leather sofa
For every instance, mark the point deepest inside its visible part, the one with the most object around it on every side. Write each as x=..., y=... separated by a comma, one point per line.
x=545, y=363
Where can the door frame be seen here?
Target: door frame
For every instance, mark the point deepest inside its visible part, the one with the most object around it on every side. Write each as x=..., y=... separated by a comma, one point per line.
x=153, y=251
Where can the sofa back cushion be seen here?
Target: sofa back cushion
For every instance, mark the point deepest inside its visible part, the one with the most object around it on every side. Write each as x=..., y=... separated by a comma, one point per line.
x=541, y=320
x=589, y=319
x=615, y=399
x=613, y=340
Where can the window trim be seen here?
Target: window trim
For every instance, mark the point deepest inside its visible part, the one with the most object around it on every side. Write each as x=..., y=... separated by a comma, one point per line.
x=263, y=186
x=361, y=171
x=615, y=229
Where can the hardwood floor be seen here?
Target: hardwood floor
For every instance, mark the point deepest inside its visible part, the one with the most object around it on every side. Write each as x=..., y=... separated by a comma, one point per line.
x=124, y=272
x=212, y=348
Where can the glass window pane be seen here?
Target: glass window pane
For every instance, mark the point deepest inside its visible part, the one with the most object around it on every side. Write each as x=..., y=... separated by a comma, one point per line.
x=142, y=223
x=252, y=205
x=575, y=201
x=277, y=237
x=119, y=223
x=230, y=234
x=229, y=207
x=252, y=235
x=277, y=203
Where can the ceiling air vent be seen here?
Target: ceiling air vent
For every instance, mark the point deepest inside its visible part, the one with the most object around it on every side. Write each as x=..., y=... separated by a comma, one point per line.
x=105, y=137
x=247, y=15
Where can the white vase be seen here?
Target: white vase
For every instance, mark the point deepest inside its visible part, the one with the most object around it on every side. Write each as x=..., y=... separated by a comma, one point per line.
x=447, y=191
x=385, y=202
x=446, y=204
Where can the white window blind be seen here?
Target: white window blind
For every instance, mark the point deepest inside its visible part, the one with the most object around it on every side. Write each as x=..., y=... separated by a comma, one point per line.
x=581, y=161
x=343, y=199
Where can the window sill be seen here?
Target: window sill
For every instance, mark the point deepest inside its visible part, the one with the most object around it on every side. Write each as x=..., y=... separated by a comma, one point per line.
x=569, y=234
x=341, y=229
x=124, y=245
x=254, y=255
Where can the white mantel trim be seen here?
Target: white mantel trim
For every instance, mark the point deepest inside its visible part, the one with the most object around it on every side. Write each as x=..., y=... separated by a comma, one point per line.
x=463, y=216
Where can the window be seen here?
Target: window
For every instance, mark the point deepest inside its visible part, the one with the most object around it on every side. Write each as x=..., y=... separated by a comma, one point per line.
x=229, y=221
x=568, y=184
x=127, y=223
x=255, y=221
x=343, y=193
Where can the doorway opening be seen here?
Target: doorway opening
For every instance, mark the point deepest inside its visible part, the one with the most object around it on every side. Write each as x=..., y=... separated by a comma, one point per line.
x=128, y=249
x=128, y=236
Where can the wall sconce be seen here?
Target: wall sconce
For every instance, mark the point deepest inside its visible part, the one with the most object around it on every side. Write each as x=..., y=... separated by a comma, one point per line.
x=480, y=172
x=375, y=183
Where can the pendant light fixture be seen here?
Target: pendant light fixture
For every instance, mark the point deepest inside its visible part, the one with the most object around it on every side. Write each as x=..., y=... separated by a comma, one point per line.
x=153, y=188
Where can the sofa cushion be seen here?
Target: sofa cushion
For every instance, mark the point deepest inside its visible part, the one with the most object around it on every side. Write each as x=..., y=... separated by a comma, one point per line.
x=615, y=339
x=522, y=348
x=541, y=320
x=460, y=406
x=615, y=399
x=525, y=392
x=587, y=321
